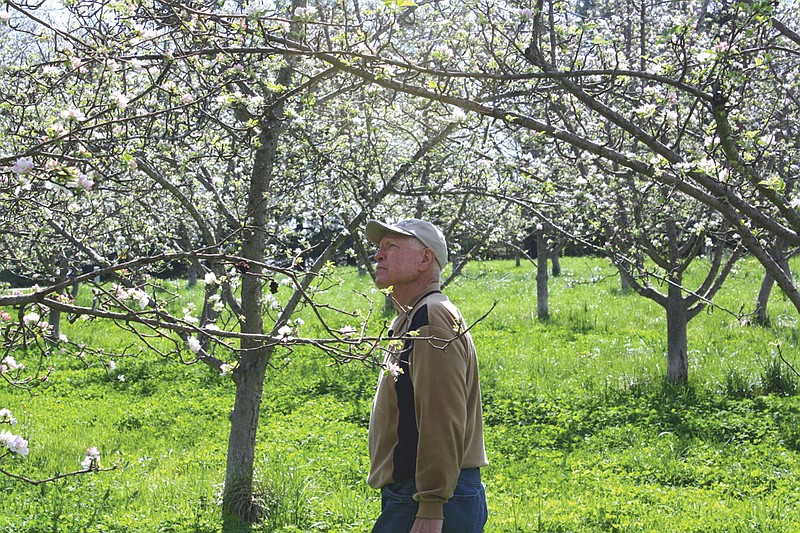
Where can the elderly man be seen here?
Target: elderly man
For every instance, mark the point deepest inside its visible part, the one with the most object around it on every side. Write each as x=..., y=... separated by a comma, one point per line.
x=426, y=430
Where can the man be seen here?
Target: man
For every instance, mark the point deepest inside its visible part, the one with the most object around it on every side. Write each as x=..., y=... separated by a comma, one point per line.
x=426, y=430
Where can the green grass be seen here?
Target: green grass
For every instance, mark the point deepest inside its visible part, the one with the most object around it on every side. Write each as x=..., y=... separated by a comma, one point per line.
x=582, y=432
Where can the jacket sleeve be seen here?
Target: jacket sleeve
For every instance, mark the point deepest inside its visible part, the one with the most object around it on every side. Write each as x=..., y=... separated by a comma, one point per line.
x=438, y=370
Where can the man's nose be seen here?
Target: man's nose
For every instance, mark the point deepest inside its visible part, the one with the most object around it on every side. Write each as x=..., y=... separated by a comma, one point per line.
x=378, y=255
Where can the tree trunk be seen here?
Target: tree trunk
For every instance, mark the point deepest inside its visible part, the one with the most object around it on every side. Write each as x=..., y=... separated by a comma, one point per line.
x=555, y=269
x=766, y=286
x=762, y=299
x=542, y=296
x=555, y=257
x=624, y=281
x=54, y=316
x=677, y=342
x=238, y=504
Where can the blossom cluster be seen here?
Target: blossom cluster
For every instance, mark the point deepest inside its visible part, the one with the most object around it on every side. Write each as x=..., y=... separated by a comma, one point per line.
x=92, y=459
x=9, y=364
x=14, y=443
x=393, y=369
x=137, y=295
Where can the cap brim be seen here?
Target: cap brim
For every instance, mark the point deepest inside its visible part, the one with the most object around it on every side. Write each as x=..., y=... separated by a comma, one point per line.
x=376, y=231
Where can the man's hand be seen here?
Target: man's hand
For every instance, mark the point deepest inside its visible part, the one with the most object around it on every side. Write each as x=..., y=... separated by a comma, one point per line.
x=427, y=525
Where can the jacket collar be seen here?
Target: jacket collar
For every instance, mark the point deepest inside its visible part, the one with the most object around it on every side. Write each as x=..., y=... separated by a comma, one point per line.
x=403, y=313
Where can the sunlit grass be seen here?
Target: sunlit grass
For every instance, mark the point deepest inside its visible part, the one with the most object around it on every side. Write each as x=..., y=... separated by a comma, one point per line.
x=582, y=432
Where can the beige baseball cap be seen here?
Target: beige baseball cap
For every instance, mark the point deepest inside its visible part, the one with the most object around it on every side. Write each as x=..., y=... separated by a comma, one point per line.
x=422, y=230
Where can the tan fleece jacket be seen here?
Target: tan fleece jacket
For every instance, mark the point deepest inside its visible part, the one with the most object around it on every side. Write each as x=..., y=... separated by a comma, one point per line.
x=427, y=422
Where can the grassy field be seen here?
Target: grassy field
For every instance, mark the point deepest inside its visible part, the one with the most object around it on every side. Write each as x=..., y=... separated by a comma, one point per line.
x=582, y=433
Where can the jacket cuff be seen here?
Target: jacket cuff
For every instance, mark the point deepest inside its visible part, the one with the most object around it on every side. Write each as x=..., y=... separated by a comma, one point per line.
x=431, y=510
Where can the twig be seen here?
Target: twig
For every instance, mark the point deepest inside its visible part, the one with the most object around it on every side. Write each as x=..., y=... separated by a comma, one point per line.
x=56, y=477
x=780, y=354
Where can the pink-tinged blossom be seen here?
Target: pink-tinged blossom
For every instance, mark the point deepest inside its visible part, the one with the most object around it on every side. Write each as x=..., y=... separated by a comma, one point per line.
x=5, y=316
x=187, y=98
x=92, y=459
x=73, y=114
x=14, y=443
x=9, y=363
x=22, y=166
x=393, y=369
x=83, y=182
x=5, y=16
x=19, y=446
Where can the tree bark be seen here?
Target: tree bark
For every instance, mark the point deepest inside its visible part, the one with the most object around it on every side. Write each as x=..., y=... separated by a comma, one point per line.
x=764, y=292
x=238, y=504
x=542, y=296
x=677, y=343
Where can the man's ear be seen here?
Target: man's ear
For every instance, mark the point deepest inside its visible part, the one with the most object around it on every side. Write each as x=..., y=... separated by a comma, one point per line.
x=428, y=258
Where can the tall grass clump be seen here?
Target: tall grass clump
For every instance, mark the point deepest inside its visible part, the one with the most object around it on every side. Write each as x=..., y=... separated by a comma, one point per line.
x=582, y=431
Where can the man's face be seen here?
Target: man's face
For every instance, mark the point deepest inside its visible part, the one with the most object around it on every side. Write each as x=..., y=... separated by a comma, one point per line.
x=398, y=260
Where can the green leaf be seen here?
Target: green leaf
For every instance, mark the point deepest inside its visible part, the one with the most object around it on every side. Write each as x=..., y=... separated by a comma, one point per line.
x=394, y=4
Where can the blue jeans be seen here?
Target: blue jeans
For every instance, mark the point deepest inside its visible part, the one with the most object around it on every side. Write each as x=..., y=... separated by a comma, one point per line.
x=465, y=512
